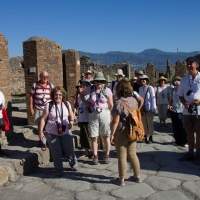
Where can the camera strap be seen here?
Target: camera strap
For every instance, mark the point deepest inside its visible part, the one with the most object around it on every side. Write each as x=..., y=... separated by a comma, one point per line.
x=60, y=113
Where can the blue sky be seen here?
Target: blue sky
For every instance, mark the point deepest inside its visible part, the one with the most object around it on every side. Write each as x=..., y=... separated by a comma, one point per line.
x=99, y=26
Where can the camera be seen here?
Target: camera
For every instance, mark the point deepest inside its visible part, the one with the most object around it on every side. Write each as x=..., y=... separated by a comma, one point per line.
x=189, y=92
x=192, y=108
x=61, y=128
x=163, y=96
x=90, y=109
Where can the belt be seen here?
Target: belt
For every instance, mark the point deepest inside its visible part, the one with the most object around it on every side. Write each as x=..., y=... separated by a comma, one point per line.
x=100, y=109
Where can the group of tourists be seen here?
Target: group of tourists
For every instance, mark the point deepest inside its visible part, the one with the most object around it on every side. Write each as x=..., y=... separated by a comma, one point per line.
x=103, y=119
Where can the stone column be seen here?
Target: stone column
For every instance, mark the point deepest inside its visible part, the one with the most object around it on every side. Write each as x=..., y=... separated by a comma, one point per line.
x=71, y=72
x=41, y=54
x=150, y=72
x=180, y=69
x=5, y=82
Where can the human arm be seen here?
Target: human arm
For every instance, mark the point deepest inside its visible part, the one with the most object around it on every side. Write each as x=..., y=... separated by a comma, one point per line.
x=42, y=123
x=71, y=118
x=110, y=102
x=196, y=102
x=182, y=100
x=170, y=103
x=114, y=124
x=31, y=107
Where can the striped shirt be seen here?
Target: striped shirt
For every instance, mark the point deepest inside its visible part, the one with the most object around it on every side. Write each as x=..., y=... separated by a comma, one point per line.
x=41, y=95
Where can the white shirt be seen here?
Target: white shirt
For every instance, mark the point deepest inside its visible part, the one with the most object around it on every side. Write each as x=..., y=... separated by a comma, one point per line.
x=187, y=84
x=150, y=101
x=83, y=112
x=2, y=101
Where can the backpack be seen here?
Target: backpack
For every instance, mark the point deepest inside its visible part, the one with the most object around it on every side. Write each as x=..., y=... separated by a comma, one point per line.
x=135, y=131
x=103, y=91
x=50, y=107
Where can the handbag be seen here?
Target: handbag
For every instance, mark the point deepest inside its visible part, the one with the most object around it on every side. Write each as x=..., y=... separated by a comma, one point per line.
x=2, y=123
x=143, y=109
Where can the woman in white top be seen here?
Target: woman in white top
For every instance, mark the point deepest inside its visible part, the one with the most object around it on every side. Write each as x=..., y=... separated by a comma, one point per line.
x=176, y=108
x=147, y=92
x=162, y=97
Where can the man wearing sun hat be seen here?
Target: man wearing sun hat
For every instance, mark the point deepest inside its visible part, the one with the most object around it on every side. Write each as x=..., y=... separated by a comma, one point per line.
x=99, y=106
x=137, y=84
x=88, y=75
x=189, y=94
x=119, y=75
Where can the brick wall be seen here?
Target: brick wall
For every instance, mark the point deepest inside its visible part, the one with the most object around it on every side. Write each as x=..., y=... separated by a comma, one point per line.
x=71, y=72
x=42, y=54
x=5, y=78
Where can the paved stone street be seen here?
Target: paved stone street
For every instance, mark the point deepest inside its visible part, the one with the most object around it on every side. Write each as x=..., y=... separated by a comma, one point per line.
x=163, y=176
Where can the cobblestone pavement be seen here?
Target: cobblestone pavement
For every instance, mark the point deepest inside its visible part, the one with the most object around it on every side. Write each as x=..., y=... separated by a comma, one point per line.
x=163, y=176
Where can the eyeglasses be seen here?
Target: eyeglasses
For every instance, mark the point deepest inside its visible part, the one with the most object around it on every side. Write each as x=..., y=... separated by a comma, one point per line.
x=99, y=81
x=58, y=95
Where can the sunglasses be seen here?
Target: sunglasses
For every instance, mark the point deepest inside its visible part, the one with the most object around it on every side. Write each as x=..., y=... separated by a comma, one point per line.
x=99, y=81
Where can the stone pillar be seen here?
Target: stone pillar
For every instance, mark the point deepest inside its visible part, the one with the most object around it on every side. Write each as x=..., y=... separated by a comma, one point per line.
x=5, y=82
x=41, y=54
x=180, y=69
x=71, y=72
x=150, y=72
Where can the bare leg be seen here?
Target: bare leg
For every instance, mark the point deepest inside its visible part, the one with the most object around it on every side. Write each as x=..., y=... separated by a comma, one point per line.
x=107, y=145
x=95, y=145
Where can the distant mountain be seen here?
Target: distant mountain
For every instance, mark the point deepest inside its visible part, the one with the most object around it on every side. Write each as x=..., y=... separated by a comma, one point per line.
x=140, y=60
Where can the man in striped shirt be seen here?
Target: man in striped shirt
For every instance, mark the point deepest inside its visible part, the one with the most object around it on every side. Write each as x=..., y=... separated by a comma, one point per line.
x=40, y=95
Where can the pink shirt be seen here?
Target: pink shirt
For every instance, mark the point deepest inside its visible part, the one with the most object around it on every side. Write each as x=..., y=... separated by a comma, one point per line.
x=51, y=126
x=102, y=101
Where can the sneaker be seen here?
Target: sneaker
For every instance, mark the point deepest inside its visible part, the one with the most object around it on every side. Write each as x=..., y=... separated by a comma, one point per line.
x=3, y=154
x=187, y=157
x=150, y=139
x=137, y=180
x=75, y=168
x=197, y=159
x=95, y=160
x=106, y=159
x=186, y=145
x=118, y=182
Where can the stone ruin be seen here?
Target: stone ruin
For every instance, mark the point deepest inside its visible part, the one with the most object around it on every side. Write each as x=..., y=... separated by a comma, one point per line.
x=170, y=70
x=150, y=72
x=17, y=80
x=108, y=70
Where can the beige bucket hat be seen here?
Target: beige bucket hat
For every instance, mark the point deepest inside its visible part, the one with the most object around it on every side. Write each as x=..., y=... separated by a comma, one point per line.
x=99, y=77
x=119, y=73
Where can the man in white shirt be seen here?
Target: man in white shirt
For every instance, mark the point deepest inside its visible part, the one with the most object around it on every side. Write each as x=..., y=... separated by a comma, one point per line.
x=189, y=94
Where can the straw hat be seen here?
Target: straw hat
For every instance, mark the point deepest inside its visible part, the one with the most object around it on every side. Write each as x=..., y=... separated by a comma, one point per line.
x=175, y=78
x=99, y=77
x=162, y=78
x=140, y=72
x=88, y=72
x=119, y=73
x=144, y=77
x=134, y=78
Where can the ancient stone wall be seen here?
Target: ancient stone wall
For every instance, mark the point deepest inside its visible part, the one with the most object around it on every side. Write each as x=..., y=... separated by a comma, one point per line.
x=108, y=70
x=5, y=79
x=180, y=69
x=170, y=70
x=41, y=54
x=150, y=72
x=71, y=72
x=17, y=79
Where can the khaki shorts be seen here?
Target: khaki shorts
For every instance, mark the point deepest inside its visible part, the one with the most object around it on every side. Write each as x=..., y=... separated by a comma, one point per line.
x=37, y=115
x=191, y=122
x=99, y=122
